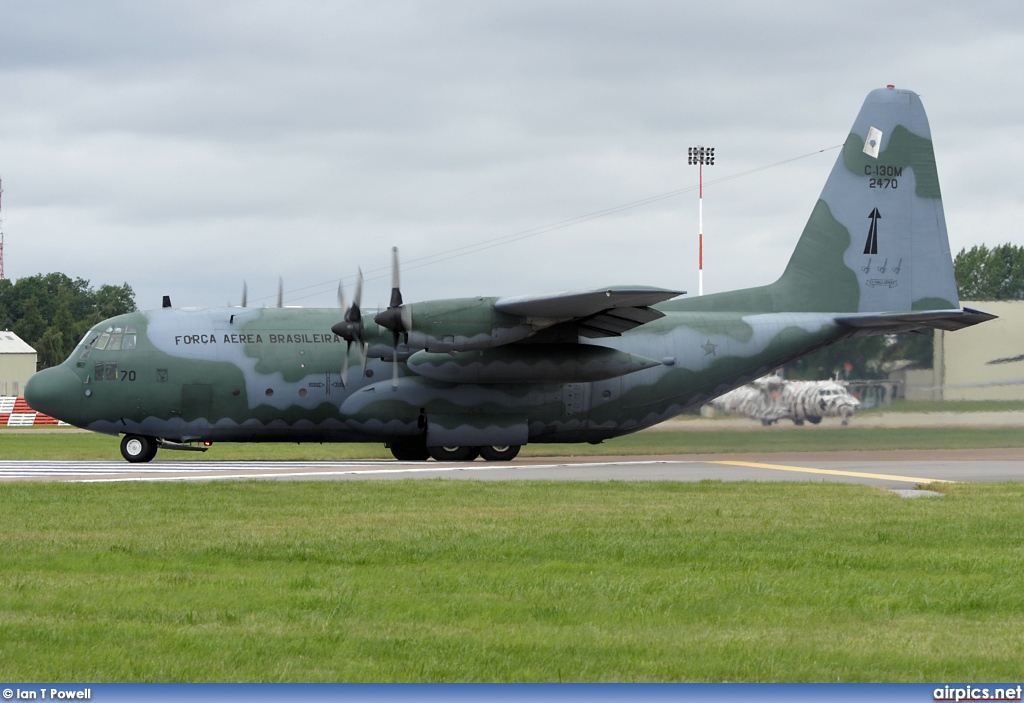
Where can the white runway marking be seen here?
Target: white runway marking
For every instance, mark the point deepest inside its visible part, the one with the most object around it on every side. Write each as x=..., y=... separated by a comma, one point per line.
x=119, y=471
x=877, y=472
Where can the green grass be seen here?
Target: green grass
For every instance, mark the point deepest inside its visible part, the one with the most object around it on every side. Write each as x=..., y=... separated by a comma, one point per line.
x=88, y=445
x=83, y=446
x=509, y=581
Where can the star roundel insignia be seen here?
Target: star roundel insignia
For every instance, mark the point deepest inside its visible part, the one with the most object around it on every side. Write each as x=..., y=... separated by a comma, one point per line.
x=709, y=348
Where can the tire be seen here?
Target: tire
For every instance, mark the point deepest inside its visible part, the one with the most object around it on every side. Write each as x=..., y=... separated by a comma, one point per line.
x=798, y=422
x=454, y=453
x=813, y=419
x=507, y=453
x=137, y=449
x=410, y=449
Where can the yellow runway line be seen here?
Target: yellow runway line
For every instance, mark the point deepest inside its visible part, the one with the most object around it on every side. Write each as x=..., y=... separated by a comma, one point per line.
x=833, y=472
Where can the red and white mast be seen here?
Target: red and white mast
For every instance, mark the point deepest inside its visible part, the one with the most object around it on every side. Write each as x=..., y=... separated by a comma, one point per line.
x=1, y=229
x=700, y=231
x=700, y=156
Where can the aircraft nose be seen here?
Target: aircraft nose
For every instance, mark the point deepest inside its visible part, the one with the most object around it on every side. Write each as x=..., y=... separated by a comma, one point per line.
x=55, y=392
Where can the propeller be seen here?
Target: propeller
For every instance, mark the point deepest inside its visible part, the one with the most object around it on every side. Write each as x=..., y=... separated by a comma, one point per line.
x=245, y=294
x=351, y=327
x=397, y=318
x=280, y=292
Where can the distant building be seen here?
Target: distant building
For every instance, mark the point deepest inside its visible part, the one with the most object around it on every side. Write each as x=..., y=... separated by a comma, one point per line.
x=17, y=363
x=984, y=362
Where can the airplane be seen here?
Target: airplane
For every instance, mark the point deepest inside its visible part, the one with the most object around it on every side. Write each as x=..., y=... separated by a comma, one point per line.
x=773, y=398
x=460, y=378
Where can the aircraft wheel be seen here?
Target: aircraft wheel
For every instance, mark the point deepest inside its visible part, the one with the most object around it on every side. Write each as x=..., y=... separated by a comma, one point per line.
x=506, y=453
x=813, y=419
x=410, y=449
x=138, y=449
x=454, y=453
x=798, y=422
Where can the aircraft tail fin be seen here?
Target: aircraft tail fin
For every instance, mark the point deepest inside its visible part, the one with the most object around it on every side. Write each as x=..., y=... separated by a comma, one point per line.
x=876, y=240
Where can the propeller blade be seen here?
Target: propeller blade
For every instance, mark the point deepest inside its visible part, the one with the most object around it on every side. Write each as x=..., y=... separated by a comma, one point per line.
x=342, y=301
x=351, y=326
x=344, y=367
x=397, y=317
x=396, y=293
x=280, y=292
x=245, y=294
x=394, y=361
x=406, y=317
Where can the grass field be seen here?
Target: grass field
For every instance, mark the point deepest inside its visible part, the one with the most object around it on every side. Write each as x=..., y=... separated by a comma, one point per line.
x=516, y=581
x=79, y=445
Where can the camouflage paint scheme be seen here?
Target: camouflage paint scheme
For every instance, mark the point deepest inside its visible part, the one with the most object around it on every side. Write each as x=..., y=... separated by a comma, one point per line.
x=579, y=366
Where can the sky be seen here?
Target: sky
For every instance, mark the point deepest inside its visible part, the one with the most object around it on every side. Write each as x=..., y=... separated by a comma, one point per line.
x=189, y=148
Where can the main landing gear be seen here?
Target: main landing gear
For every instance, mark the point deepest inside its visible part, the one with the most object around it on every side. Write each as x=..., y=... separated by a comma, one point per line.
x=417, y=450
x=138, y=449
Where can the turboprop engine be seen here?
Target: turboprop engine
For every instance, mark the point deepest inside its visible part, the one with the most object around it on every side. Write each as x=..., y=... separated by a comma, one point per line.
x=461, y=325
x=529, y=363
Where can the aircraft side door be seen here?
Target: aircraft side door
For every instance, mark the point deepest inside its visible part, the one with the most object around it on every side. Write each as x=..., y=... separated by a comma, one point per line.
x=195, y=403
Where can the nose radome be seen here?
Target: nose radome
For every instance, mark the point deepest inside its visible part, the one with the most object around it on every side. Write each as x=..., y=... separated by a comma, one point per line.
x=55, y=391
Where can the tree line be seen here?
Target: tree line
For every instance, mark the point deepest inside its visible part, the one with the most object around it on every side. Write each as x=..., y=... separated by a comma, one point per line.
x=52, y=312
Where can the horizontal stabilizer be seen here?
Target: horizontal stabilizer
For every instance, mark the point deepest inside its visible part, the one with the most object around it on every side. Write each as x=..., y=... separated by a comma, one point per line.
x=892, y=323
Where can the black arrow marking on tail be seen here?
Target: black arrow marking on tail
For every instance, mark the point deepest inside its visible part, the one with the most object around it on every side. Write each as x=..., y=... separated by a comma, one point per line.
x=871, y=246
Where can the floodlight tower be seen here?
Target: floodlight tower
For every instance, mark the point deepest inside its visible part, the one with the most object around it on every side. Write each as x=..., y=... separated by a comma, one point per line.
x=701, y=156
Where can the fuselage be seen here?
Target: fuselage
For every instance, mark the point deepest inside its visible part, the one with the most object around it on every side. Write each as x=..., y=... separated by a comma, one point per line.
x=274, y=374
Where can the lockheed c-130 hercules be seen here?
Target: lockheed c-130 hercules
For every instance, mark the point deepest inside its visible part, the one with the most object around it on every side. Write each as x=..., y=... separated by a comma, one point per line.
x=460, y=378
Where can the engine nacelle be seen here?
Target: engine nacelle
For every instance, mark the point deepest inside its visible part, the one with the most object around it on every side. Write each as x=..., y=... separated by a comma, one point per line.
x=529, y=363
x=462, y=324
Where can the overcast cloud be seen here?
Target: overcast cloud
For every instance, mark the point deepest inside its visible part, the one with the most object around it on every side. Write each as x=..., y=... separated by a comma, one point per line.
x=185, y=147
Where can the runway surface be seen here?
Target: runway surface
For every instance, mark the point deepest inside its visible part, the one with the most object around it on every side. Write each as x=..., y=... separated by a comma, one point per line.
x=889, y=470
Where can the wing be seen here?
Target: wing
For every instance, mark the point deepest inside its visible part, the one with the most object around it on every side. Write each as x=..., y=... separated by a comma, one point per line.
x=602, y=312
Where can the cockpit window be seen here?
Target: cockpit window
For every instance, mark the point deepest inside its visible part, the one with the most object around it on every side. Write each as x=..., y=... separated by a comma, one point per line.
x=112, y=339
x=105, y=371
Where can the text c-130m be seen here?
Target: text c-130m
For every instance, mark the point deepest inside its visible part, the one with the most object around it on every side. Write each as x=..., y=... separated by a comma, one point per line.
x=454, y=379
